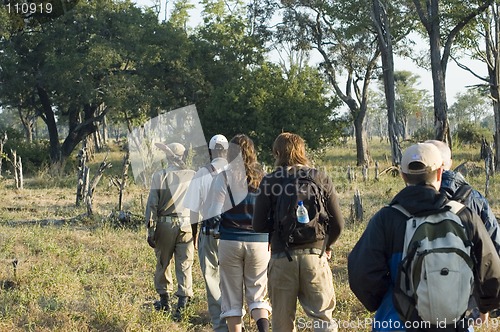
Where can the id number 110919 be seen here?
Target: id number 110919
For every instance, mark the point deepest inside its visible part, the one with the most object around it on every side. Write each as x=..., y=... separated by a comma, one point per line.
x=28, y=8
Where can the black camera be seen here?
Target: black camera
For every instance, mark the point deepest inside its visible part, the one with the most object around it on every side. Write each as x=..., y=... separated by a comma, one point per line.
x=210, y=226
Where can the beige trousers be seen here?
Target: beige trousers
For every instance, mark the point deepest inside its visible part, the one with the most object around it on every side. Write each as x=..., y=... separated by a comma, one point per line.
x=174, y=240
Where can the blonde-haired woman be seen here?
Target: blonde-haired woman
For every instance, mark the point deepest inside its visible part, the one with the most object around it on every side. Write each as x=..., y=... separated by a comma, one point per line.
x=243, y=253
x=298, y=271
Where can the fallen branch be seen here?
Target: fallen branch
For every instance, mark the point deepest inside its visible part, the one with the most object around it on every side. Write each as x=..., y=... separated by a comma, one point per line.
x=393, y=170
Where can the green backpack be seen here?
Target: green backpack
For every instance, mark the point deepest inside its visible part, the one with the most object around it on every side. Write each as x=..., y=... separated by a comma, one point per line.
x=435, y=277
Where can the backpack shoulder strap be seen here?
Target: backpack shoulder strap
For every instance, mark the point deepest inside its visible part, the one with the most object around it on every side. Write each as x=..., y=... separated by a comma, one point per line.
x=455, y=206
x=401, y=209
x=463, y=192
x=230, y=193
x=211, y=169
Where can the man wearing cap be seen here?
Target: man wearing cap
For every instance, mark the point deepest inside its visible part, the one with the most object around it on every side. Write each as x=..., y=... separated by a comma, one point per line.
x=452, y=185
x=453, y=181
x=373, y=262
x=169, y=229
x=207, y=245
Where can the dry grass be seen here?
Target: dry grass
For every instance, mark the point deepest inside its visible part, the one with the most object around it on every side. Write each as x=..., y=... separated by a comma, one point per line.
x=87, y=274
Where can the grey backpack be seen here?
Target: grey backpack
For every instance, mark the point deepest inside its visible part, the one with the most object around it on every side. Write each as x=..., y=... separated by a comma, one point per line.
x=435, y=277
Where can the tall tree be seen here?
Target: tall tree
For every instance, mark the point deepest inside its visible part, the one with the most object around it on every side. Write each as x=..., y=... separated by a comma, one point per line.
x=227, y=48
x=247, y=93
x=383, y=28
x=392, y=22
x=484, y=45
x=179, y=17
x=409, y=99
x=93, y=61
x=342, y=33
x=470, y=106
x=443, y=20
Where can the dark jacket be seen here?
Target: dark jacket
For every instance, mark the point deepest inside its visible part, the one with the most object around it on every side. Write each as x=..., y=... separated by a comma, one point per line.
x=269, y=189
x=374, y=260
x=451, y=182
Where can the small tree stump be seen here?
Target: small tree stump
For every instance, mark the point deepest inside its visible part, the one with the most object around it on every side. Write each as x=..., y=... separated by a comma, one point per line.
x=349, y=174
x=487, y=155
x=487, y=165
x=83, y=176
x=365, y=173
x=18, y=169
x=357, y=207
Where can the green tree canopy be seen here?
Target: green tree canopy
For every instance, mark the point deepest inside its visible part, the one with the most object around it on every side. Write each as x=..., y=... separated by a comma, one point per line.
x=101, y=58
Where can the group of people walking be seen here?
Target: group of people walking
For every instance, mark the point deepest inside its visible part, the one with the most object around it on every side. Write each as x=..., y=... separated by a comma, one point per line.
x=241, y=261
x=248, y=252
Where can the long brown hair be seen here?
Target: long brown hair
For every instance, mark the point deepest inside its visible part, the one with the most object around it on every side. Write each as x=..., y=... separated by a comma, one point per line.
x=290, y=149
x=243, y=143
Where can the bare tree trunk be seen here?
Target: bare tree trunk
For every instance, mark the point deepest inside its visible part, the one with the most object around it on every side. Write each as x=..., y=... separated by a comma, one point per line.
x=441, y=125
x=89, y=147
x=357, y=207
x=3, y=139
x=93, y=184
x=430, y=17
x=488, y=161
x=362, y=155
x=492, y=51
x=49, y=118
x=28, y=123
x=83, y=177
x=18, y=170
x=404, y=126
x=14, y=161
x=19, y=165
x=385, y=44
x=97, y=140
x=355, y=97
x=123, y=182
x=105, y=130
x=496, y=136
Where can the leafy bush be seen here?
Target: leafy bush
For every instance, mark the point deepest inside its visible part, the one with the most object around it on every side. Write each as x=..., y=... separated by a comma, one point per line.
x=33, y=155
x=470, y=133
x=423, y=134
x=12, y=134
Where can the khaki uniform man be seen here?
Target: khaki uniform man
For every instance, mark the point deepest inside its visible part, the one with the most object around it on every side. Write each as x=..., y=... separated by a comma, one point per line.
x=207, y=245
x=169, y=229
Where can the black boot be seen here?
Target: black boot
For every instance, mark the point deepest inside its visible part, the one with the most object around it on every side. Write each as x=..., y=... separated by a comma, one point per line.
x=163, y=304
x=182, y=303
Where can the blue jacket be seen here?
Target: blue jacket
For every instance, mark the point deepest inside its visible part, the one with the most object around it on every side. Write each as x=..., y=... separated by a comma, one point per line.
x=451, y=182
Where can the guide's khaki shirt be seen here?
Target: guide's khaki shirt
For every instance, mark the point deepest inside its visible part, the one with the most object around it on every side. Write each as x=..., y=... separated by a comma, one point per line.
x=168, y=188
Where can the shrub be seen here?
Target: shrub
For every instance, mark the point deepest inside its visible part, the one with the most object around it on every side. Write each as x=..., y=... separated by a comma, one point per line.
x=423, y=134
x=33, y=155
x=470, y=133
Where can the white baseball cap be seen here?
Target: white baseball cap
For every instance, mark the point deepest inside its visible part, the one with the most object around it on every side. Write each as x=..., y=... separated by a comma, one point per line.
x=445, y=152
x=218, y=139
x=426, y=154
